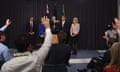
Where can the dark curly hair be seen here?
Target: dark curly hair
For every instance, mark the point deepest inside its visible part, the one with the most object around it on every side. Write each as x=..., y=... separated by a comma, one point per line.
x=22, y=43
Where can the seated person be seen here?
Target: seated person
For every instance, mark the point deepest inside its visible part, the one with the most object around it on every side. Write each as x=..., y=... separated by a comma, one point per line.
x=98, y=64
x=4, y=51
x=106, y=58
x=114, y=65
x=30, y=62
x=58, y=56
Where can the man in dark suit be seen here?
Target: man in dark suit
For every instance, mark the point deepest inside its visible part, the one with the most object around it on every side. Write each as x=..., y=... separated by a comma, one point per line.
x=54, y=24
x=58, y=56
x=31, y=29
x=65, y=27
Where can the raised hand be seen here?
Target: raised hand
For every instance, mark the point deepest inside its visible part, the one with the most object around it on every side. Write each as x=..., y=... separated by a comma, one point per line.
x=8, y=22
x=45, y=22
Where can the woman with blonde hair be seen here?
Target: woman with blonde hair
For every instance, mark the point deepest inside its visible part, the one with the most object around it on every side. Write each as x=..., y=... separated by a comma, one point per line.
x=74, y=33
x=114, y=65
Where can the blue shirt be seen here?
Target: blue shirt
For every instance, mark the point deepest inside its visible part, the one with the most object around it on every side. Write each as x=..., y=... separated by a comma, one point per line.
x=41, y=30
x=4, y=52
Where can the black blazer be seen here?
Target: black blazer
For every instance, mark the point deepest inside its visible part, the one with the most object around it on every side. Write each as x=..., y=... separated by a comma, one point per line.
x=56, y=29
x=57, y=59
x=65, y=28
x=35, y=28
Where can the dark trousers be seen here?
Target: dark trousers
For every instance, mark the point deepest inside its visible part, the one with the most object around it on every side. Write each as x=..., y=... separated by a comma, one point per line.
x=54, y=68
x=32, y=39
x=96, y=65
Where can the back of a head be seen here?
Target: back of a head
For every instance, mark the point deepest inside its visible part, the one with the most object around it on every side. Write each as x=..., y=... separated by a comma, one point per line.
x=115, y=55
x=1, y=33
x=62, y=36
x=2, y=36
x=22, y=43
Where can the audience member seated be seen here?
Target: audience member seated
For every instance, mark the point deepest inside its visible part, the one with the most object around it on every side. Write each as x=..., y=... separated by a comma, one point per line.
x=29, y=62
x=107, y=56
x=114, y=65
x=4, y=51
x=98, y=64
x=111, y=32
x=58, y=56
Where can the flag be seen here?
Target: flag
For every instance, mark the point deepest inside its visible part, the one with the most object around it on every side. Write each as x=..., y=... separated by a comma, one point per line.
x=47, y=10
x=63, y=10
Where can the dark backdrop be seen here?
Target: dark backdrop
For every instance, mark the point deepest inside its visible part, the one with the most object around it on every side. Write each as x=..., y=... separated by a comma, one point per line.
x=94, y=15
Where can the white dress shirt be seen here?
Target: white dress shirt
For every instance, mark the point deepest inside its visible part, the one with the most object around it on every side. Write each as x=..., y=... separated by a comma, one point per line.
x=3, y=28
x=63, y=22
x=33, y=62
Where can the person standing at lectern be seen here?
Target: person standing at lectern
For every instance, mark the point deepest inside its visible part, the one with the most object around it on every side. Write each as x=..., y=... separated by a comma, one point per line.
x=64, y=27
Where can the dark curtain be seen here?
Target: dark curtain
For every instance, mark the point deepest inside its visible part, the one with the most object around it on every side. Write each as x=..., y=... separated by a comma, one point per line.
x=94, y=16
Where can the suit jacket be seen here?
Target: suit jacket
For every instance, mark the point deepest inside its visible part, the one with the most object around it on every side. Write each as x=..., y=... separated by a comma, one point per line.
x=35, y=28
x=41, y=30
x=57, y=59
x=56, y=29
x=65, y=28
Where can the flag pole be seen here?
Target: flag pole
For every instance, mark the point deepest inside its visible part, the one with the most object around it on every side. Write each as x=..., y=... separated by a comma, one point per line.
x=63, y=10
